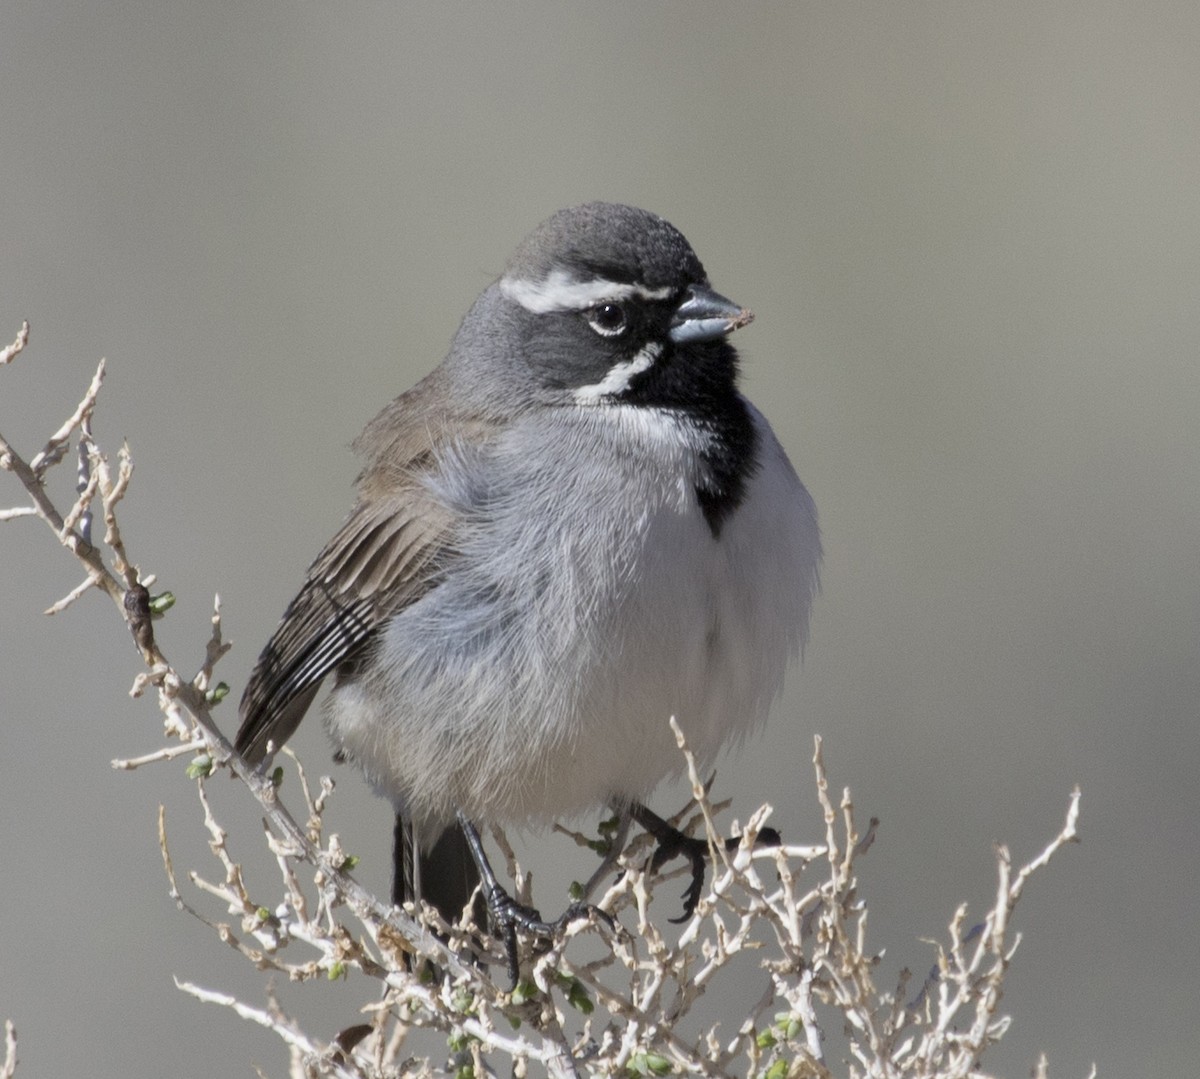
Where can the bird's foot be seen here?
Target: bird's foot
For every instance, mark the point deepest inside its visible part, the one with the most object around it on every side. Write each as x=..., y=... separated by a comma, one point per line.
x=508, y=916
x=672, y=843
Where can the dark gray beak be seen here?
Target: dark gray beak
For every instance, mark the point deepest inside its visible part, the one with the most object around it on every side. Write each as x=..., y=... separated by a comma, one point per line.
x=705, y=315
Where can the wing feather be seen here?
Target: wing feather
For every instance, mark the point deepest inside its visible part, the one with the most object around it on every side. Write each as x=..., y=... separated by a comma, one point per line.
x=392, y=549
x=387, y=555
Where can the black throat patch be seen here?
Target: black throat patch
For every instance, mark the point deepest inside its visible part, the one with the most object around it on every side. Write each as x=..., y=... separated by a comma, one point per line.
x=699, y=383
x=729, y=463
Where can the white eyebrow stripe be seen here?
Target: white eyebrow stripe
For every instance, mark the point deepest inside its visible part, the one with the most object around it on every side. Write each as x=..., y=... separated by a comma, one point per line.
x=619, y=376
x=561, y=291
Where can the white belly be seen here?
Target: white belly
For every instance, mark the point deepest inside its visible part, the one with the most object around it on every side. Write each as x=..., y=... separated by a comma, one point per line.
x=538, y=680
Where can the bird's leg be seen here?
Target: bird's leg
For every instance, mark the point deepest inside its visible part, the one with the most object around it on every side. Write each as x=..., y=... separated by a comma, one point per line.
x=507, y=915
x=671, y=842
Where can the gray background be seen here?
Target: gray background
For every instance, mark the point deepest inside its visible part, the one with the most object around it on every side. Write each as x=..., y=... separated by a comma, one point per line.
x=971, y=234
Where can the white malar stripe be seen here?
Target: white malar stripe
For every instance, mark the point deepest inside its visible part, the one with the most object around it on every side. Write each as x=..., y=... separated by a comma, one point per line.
x=561, y=291
x=619, y=376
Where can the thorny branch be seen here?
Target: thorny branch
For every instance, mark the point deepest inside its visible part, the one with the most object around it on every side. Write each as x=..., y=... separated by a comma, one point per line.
x=788, y=918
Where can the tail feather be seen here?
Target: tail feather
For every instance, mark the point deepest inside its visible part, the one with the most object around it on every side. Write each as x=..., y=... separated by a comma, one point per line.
x=445, y=876
x=404, y=876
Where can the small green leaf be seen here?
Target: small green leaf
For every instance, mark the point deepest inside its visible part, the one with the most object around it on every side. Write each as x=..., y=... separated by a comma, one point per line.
x=348, y=863
x=337, y=970
x=160, y=604
x=778, y=1070
x=575, y=892
x=467, y=1071
x=788, y=1025
x=608, y=832
x=524, y=992
x=266, y=917
x=218, y=693
x=200, y=767
x=577, y=997
x=277, y=777
x=658, y=1064
x=766, y=1040
x=649, y=1064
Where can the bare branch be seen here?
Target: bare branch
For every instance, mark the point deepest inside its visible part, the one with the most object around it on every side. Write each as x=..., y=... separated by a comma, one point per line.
x=617, y=1004
x=11, y=352
x=80, y=589
x=10, y=1032
x=166, y=753
x=295, y=1038
x=56, y=445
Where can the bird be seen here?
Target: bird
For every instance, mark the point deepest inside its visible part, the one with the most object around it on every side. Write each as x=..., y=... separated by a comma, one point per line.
x=573, y=529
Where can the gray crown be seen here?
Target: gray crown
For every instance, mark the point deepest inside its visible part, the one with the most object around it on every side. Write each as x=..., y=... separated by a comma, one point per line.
x=610, y=241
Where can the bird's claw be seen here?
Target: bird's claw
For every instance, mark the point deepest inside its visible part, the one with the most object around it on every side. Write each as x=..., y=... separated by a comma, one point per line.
x=671, y=843
x=508, y=916
x=696, y=852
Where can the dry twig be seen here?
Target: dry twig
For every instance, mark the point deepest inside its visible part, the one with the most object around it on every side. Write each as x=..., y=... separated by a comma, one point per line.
x=788, y=918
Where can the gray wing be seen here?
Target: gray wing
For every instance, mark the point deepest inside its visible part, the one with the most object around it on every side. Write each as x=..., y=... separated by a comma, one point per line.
x=388, y=554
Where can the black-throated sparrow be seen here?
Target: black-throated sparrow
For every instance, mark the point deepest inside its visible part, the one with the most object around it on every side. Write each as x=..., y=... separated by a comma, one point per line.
x=572, y=529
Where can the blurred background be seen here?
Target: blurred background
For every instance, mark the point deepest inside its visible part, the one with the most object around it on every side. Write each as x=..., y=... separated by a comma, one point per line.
x=971, y=235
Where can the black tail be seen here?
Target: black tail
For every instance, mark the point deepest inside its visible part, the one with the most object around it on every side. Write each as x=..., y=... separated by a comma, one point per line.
x=445, y=876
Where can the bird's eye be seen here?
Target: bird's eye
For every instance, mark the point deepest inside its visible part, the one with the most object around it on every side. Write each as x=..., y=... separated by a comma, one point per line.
x=607, y=319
